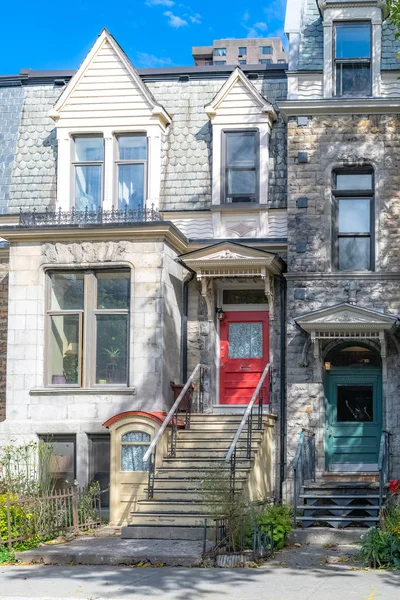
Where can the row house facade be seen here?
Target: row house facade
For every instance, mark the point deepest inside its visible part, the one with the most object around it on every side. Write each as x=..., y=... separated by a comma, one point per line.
x=156, y=220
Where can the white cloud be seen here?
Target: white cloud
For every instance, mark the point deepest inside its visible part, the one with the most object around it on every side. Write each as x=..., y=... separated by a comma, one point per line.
x=160, y=2
x=195, y=18
x=150, y=61
x=261, y=26
x=174, y=20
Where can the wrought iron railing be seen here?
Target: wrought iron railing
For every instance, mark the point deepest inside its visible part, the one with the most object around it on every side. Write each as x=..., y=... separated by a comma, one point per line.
x=383, y=464
x=304, y=465
x=258, y=395
x=86, y=217
x=183, y=406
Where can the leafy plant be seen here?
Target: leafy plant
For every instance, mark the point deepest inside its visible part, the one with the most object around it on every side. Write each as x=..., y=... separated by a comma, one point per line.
x=112, y=352
x=281, y=517
x=6, y=556
x=26, y=469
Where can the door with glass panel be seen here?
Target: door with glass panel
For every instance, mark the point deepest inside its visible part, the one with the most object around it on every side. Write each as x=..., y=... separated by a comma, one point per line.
x=244, y=353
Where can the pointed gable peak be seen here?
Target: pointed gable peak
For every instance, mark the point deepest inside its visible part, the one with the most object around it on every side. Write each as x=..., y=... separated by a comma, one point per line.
x=239, y=80
x=106, y=63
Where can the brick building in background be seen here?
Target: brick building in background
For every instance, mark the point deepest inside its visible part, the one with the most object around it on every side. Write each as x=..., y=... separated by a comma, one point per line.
x=246, y=51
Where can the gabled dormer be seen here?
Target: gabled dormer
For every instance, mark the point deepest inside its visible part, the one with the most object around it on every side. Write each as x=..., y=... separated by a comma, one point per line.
x=109, y=129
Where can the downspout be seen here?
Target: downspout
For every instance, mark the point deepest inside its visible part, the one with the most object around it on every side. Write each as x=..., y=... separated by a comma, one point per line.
x=184, y=326
x=282, y=410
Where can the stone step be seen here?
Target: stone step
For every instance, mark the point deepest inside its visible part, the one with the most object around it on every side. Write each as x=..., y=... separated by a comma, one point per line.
x=178, y=495
x=204, y=444
x=180, y=506
x=200, y=474
x=318, y=536
x=215, y=453
x=220, y=433
x=164, y=532
x=205, y=463
x=169, y=518
x=193, y=483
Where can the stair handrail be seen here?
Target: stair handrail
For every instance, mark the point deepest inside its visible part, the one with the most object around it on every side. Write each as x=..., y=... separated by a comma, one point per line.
x=303, y=471
x=247, y=413
x=173, y=410
x=383, y=463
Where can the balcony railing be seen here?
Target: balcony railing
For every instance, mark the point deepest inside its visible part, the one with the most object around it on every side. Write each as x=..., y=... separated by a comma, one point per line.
x=87, y=217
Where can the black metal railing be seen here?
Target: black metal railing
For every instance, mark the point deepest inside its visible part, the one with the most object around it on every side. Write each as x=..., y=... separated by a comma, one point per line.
x=182, y=407
x=383, y=464
x=86, y=217
x=304, y=465
x=258, y=396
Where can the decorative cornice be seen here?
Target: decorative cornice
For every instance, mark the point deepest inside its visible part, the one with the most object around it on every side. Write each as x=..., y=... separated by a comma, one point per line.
x=331, y=106
x=327, y=4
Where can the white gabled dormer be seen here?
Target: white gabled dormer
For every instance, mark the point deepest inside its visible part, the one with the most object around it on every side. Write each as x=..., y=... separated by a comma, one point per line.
x=107, y=106
x=239, y=107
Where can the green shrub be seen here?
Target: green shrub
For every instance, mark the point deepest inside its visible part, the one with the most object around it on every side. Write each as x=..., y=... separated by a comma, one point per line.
x=380, y=548
x=281, y=517
x=20, y=517
x=5, y=555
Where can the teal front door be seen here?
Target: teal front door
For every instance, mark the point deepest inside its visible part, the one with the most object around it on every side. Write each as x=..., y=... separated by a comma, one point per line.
x=353, y=419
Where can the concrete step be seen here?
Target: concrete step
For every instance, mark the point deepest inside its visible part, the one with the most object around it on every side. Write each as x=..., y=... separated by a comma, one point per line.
x=164, y=532
x=215, y=433
x=169, y=518
x=318, y=536
x=198, y=473
x=178, y=495
x=216, y=453
x=180, y=506
x=209, y=444
x=205, y=463
x=189, y=484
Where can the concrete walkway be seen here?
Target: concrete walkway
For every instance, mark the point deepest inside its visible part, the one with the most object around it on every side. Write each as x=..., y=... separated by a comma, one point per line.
x=325, y=582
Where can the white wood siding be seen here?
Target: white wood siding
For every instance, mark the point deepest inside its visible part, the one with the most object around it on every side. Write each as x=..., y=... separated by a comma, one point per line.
x=390, y=85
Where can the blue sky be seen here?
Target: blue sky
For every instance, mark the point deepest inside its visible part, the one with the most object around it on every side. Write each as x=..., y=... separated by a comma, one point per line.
x=40, y=34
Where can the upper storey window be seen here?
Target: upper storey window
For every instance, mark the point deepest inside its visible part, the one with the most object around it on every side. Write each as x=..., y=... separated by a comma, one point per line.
x=241, y=166
x=219, y=51
x=353, y=59
x=88, y=162
x=265, y=49
x=353, y=196
x=132, y=171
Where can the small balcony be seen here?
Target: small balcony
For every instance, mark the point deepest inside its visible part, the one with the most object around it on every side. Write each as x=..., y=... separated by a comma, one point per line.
x=87, y=218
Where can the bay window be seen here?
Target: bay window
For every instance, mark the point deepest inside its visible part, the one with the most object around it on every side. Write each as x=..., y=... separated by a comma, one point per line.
x=131, y=171
x=352, y=59
x=88, y=328
x=241, y=166
x=88, y=165
x=354, y=222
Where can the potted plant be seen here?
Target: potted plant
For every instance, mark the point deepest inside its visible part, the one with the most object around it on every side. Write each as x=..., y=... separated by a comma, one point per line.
x=113, y=355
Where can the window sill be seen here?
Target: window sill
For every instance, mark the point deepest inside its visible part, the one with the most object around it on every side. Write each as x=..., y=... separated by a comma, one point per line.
x=235, y=206
x=71, y=391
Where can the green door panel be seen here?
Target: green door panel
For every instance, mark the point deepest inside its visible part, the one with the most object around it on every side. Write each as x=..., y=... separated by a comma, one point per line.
x=353, y=416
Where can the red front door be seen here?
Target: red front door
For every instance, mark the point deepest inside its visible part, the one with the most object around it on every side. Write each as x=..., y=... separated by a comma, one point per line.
x=244, y=354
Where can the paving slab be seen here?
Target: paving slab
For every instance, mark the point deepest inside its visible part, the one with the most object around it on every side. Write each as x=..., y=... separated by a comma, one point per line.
x=111, y=550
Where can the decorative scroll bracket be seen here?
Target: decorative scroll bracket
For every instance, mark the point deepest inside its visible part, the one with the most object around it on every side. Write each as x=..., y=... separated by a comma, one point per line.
x=269, y=290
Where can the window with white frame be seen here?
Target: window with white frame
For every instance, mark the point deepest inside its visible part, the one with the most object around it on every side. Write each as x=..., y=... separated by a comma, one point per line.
x=241, y=166
x=88, y=169
x=131, y=170
x=352, y=56
x=134, y=446
x=88, y=327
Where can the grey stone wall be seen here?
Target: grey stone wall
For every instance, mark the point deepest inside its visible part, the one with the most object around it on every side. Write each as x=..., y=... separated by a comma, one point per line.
x=11, y=101
x=34, y=173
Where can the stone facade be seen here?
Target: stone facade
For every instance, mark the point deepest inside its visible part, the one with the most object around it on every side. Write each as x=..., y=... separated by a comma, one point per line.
x=3, y=336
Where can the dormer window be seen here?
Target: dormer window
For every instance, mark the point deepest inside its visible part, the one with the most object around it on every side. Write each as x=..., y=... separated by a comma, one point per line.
x=88, y=162
x=352, y=51
x=132, y=171
x=241, y=166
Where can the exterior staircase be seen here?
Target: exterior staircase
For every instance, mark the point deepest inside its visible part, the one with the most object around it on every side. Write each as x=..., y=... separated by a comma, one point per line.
x=178, y=509
x=338, y=504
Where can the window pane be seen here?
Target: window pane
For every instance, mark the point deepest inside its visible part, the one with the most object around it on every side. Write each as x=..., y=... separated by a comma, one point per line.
x=67, y=291
x=245, y=340
x=219, y=51
x=220, y=62
x=354, y=181
x=132, y=147
x=241, y=182
x=131, y=186
x=132, y=458
x=242, y=62
x=353, y=41
x=136, y=436
x=265, y=61
x=113, y=290
x=244, y=297
x=352, y=79
x=354, y=254
x=265, y=49
x=89, y=149
x=354, y=216
x=64, y=349
x=240, y=149
x=88, y=187
x=111, y=351
x=355, y=404
x=242, y=50
x=62, y=462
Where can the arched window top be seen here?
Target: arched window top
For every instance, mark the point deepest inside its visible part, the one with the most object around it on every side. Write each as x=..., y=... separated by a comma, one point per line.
x=136, y=437
x=353, y=355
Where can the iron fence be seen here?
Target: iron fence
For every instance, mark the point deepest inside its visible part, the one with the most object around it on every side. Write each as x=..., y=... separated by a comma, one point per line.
x=304, y=465
x=87, y=217
x=70, y=510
